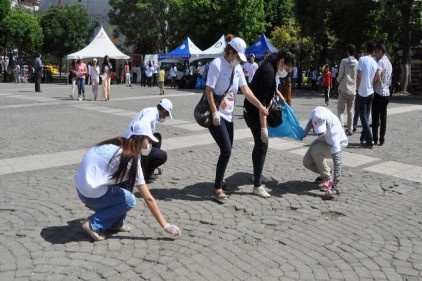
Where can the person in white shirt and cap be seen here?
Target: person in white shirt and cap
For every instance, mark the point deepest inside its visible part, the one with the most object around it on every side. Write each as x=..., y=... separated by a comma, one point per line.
x=329, y=144
x=151, y=115
x=105, y=179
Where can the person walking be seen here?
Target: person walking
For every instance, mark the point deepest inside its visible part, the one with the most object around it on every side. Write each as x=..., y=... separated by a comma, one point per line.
x=161, y=79
x=263, y=87
x=347, y=87
x=329, y=144
x=225, y=77
x=105, y=179
x=366, y=78
x=95, y=77
x=81, y=76
x=151, y=115
x=249, y=69
x=106, y=71
x=73, y=71
x=326, y=83
x=126, y=70
x=173, y=75
x=38, y=67
x=382, y=95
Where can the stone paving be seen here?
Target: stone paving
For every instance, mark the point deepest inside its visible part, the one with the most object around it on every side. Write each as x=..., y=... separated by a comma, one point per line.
x=371, y=231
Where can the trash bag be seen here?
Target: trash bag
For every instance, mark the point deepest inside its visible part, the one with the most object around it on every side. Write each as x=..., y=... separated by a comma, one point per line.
x=290, y=127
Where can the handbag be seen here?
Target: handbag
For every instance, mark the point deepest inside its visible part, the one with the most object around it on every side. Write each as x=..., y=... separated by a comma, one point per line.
x=202, y=112
x=274, y=118
x=290, y=128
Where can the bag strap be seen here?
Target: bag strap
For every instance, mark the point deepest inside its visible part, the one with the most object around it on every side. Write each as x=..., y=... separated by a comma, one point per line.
x=231, y=81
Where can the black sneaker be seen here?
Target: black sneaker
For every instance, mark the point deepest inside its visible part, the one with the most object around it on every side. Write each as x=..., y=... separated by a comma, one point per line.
x=354, y=129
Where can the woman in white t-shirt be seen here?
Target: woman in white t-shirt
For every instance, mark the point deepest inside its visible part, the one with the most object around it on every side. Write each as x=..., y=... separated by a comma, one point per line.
x=105, y=179
x=94, y=73
x=225, y=77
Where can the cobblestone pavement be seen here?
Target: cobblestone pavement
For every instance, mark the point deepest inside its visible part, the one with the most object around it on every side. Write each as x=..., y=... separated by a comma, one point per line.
x=371, y=231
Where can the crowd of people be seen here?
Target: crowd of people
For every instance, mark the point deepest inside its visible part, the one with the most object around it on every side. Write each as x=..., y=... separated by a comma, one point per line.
x=110, y=170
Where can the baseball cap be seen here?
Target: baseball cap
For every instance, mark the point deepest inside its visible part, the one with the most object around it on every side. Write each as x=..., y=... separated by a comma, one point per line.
x=94, y=59
x=319, y=121
x=240, y=46
x=251, y=55
x=167, y=105
x=139, y=128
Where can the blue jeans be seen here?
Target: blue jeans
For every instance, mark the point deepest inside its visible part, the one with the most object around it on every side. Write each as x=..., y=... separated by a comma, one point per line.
x=80, y=82
x=223, y=136
x=110, y=209
x=365, y=104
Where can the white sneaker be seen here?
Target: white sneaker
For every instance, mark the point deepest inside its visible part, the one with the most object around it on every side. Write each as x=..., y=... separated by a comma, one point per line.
x=264, y=179
x=261, y=192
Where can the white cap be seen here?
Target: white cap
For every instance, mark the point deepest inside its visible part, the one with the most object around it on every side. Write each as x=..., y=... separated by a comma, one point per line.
x=139, y=128
x=167, y=105
x=319, y=120
x=240, y=46
x=94, y=59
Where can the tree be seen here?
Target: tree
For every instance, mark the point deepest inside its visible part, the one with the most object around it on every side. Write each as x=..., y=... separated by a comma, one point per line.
x=278, y=13
x=143, y=23
x=22, y=31
x=66, y=29
x=4, y=11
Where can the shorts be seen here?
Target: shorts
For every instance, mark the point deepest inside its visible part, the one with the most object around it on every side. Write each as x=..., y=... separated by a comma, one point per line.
x=161, y=84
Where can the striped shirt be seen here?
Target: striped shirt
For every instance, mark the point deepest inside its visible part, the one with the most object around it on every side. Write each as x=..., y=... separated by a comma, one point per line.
x=386, y=70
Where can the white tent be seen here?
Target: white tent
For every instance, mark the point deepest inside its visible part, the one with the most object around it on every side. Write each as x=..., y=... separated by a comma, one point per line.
x=98, y=48
x=215, y=50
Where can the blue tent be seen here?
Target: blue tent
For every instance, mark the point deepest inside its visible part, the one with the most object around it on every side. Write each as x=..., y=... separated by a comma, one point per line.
x=260, y=47
x=185, y=51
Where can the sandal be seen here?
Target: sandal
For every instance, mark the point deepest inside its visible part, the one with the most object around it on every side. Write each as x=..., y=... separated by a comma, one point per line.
x=86, y=225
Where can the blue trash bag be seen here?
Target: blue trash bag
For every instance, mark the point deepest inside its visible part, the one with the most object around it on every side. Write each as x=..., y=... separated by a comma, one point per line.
x=290, y=127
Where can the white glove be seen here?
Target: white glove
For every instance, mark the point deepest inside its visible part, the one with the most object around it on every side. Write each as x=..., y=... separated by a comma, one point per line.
x=216, y=118
x=264, y=135
x=172, y=229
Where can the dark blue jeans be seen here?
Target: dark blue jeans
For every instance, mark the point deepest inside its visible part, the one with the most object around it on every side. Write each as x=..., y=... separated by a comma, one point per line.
x=365, y=104
x=80, y=82
x=223, y=136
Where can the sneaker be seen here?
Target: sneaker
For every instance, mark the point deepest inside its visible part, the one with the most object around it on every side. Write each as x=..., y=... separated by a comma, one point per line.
x=220, y=195
x=354, y=128
x=264, y=179
x=349, y=133
x=124, y=228
x=327, y=185
x=86, y=225
x=261, y=192
x=329, y=194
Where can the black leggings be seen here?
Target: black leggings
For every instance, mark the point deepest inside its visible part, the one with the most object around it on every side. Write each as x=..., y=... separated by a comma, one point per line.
x=260, y=148
x=223, y=136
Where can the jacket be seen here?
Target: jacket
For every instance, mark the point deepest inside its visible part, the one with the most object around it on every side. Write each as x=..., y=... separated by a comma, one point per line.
x=263, y=86
x=347, y=75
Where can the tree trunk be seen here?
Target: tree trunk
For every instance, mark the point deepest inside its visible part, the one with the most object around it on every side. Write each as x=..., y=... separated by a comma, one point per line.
x=406, y=10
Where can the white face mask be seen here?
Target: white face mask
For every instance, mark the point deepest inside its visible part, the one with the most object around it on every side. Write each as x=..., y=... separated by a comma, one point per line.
x=146, y=151
x=161, y=120
x=282, y=73
x=235, y=63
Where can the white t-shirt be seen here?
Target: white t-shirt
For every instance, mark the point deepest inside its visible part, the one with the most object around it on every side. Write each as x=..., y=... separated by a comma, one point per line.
x=148, y=115
x=335, y=135
x=250, y=69
x=218, y=78
x=368, y=67
x=94, y=72
x=173, y=71
x=94, y=172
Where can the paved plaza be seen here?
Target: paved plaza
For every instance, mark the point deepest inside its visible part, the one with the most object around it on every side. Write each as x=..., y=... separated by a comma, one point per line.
x=371, y=231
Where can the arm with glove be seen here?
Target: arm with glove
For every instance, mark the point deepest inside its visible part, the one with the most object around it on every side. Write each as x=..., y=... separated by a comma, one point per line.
x=153, y=207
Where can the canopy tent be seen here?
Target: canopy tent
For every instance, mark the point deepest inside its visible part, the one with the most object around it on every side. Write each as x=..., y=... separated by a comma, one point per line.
x=98, y=48
x=186, y=51
x=217, y=49
x=260, y=47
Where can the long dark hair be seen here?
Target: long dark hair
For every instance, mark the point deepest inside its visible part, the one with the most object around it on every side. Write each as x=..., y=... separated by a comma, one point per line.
x=289, y=58
x=131, y=148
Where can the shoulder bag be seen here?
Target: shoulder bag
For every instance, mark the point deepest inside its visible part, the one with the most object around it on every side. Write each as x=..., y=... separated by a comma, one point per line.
x=202, y=111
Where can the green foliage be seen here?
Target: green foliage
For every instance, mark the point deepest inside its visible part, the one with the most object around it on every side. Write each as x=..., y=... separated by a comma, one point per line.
x=4, y=9
x=22, y=31
x=278, y=13
x=66, y=29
